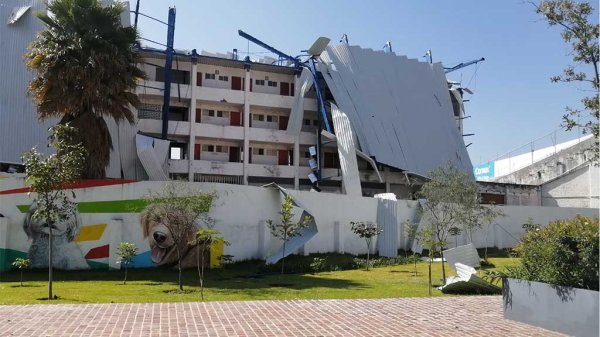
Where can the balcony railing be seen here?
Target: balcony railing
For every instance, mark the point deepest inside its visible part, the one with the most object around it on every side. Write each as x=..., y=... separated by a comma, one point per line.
x=216, y=178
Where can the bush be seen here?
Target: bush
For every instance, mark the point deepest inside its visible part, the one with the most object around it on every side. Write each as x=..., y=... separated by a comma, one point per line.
x=564, y=253
x=318, y=265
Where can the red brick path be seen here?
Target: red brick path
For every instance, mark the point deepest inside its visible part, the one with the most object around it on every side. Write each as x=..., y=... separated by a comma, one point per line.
x=456, y=316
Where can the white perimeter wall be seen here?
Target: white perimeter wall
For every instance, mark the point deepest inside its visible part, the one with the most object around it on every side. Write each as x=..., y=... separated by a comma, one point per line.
x=241, y=211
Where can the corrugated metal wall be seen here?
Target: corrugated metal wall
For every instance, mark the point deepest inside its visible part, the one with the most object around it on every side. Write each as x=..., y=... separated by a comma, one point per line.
x=19, y=127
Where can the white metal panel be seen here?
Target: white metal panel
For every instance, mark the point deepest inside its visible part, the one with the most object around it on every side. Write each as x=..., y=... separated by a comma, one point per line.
x=466, y=255
x=153, y=156
x=303, y=84
x=306, y=233
x=399, y=108
x=20, y=129
x=346, y=152
x=387, y=219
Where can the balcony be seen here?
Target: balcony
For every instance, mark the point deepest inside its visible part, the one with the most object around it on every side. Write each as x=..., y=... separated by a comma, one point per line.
x=220, y=95
x=228, y=132
x=153, y=126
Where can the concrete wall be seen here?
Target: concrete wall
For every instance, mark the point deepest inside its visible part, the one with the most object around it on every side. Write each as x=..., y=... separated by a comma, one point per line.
x=578, y=188
x=568, y=310
x=108, y=217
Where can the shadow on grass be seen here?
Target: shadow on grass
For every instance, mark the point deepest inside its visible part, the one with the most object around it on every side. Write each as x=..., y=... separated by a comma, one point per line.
x=27, y=286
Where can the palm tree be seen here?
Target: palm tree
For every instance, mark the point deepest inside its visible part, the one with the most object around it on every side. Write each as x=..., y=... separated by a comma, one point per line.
x=85, y=65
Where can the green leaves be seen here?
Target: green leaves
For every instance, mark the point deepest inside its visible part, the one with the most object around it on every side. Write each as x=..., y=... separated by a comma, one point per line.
x=578, y=29
x=365, y=229
x=21, y=263
x=85, y=68
x=563, y=253
x=286, y=229
x=49, y=176
x=126, y=252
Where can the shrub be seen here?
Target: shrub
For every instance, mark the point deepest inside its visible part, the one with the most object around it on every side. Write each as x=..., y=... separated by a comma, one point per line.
x=318, y=265
x=564, y=253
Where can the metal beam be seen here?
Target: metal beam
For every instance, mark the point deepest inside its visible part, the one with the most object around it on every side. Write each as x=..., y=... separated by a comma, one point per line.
x=168, y=67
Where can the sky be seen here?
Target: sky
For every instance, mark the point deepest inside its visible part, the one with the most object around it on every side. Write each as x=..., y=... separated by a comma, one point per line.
x=514, y=102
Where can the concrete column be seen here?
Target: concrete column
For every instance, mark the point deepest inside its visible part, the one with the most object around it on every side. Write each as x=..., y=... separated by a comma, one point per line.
x=115, y=237
x=246, y=124
x=192, y=119
x=297, y=162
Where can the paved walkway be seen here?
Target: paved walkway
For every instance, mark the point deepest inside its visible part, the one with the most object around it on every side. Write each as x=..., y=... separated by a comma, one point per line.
x=458, y=316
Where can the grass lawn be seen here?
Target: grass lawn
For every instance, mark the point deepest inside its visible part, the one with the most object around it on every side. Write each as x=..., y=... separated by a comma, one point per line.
x=241, y=281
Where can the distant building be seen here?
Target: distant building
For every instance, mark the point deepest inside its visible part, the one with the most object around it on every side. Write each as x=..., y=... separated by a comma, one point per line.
x=561, y=176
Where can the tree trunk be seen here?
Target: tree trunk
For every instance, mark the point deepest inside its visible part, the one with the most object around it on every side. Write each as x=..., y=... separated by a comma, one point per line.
x=179, y=268
x=443, y=267
x=125, y=280
x=368, y=253
x=283, y=253
x=202, y=275
x=21, y=276
x=49, y=222
x=430, y=261
x=415, y=261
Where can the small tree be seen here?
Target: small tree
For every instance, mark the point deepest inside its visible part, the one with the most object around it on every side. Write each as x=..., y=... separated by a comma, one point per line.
x=452, y=202
x=576, y=20
x=204, y=239
x=426, y=237
x=286, y=229
x=21, y=264
x=412, y=229
x=126, y=252
x=180, y=208
x=366, y=230
x=50, y=177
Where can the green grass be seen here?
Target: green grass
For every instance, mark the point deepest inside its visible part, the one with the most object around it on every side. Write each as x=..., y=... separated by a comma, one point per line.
x=241, y=281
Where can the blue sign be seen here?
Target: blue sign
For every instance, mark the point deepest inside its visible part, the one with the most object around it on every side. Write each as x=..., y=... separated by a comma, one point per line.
x=484, y=171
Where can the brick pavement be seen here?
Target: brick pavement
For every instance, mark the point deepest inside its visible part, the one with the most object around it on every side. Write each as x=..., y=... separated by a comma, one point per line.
x=450, y=316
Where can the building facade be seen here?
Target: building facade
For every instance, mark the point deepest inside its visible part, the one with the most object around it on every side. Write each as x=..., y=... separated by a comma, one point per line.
x=228, y=122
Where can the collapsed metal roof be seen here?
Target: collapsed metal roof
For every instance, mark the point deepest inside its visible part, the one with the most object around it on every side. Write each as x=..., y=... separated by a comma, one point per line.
x=399, y=108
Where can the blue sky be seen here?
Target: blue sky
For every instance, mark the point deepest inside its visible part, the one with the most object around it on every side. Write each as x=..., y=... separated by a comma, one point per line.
x=514, y=101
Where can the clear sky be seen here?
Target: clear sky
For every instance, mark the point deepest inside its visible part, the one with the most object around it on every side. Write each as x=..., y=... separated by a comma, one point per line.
x=514, y=101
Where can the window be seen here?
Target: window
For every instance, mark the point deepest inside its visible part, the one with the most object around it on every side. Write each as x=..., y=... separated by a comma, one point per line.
x=177, y=76
x=258, y=152
x=307, y=122
x=272, y=119
x=306, y=154
x=223, y=114
x=208, y=148
x=272, y=84
x=315, y=122
x=259, y=82
x=258, y=117
x=272, y=153
x=217, y=71
x=210, y=113
x=177, y=151
x=219, y=148
x=208, y=76
x=224, y=78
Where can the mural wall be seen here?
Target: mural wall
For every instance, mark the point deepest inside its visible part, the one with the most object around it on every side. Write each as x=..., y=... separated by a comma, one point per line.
x=109, y=212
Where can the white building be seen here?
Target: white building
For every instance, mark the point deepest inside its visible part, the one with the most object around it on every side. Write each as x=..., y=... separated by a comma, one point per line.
x=252, y=123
